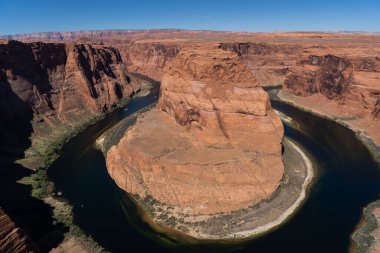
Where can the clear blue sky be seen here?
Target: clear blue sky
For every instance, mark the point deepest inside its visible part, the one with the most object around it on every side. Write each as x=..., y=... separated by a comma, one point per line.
x=23, y=16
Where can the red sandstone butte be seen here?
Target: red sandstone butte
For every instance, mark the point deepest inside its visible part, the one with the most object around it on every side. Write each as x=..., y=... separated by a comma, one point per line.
x=212, y=145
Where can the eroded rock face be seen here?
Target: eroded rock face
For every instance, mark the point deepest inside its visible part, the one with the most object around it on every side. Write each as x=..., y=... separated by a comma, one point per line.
x=45, y=87
x=149, y=58
x=54, y=84
x=351, y=84
x=329, y=75
x=212, y=145
x=268, y=62
x=376, y=110
x=219, y=99
x=12, y=238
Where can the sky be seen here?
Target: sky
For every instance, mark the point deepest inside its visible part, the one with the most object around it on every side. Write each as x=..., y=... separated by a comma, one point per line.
x=25, y=16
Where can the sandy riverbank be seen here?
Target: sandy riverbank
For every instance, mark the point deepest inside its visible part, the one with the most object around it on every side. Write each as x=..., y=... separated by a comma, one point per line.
x=293, y=208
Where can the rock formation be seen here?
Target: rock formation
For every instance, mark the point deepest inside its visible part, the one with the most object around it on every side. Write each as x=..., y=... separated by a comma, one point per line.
x=13, y=239
x=55, y=84
x=376, y=109
x=345, y=88
x=213, y=124
x=46, y=88
x=329, y=75
x=269, y=62
x=149, y=58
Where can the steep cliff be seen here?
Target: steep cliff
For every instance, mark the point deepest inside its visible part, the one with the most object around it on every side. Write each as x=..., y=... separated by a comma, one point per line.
x=345, y=88
x=55, y=84
x=47, y=90
x=213, y=123
x=198, y=91
x=329, y=75
x=13, y=239
x=149, y=58
x=354, y=83
x=268, y=62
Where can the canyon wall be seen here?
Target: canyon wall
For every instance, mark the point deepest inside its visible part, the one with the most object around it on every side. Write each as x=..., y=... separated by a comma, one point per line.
x=46, y=91
x=268, y=62
x=149, y=58
x=339, y=72
x=328, y=75
x=12, y=238
x=55, y=84
x=213, y=123
x=334, y=78
x=353, y=83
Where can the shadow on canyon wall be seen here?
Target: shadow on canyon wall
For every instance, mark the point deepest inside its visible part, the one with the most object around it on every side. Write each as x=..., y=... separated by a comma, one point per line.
x=30, y=214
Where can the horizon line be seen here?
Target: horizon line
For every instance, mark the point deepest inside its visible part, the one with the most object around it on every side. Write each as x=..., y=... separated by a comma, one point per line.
x=197, y=30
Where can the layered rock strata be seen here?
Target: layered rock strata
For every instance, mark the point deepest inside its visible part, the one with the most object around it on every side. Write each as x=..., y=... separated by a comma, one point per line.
x=343, y=88
x=54, y=84
x=149, y=58
x=12, y=238
x=212, y=145
x=268, y=62
x=46, y=91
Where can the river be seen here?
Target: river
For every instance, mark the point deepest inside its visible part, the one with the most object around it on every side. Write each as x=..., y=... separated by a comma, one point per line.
x=348, y=179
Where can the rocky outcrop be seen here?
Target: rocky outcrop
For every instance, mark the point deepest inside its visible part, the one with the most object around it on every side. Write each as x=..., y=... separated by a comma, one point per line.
x=352, y=82
x=46, y=91
x=268, y=62
x=344, y=88
x=329, y=75
x=230, y=91
x=12, y=238
x=148, y=58
x=54, y=84
x=213, y=124
x=376, y=110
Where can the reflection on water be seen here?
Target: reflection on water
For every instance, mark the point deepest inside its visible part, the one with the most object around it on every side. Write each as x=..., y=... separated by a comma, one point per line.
x=348, y=181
